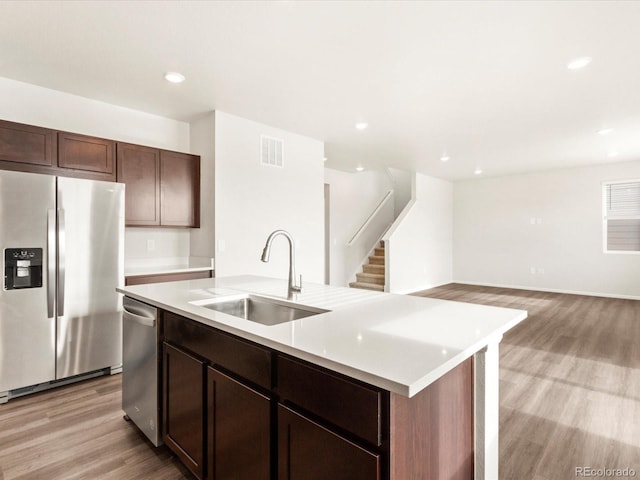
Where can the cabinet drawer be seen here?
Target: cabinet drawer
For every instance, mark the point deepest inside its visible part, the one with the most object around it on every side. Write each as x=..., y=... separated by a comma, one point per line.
x=238, y=356
x=352, y=406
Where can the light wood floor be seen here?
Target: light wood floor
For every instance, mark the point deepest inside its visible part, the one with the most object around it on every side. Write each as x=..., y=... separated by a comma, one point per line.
x=570, y=397
x=77, y=432
x=569, y=380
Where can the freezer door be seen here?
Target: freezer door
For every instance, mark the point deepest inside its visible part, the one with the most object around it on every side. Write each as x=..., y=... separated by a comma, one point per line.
x=91, y=266
x=27, y=336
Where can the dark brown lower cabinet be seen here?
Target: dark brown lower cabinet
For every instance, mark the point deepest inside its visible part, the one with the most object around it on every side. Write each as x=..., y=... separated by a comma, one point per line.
x=239, y=430
x=182, y=409
x=308, y=451
x=234, y=410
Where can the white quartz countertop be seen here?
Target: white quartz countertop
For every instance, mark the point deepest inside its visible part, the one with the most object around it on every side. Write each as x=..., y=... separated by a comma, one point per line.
x=397, y=342
x=158, y=266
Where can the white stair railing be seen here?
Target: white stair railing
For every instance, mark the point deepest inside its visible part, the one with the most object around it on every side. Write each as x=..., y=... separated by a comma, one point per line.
x=370, y=218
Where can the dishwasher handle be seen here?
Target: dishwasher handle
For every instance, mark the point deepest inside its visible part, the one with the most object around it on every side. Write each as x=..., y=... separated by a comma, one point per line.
x=138, y=312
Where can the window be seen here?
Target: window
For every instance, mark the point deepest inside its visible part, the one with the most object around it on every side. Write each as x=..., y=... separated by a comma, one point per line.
x=622, y=216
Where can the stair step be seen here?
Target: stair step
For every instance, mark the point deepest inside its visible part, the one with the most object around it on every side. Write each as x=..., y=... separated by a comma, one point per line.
x=370, y=278
x=376, y=260
x=367, y=286
x=379, y=269
x=379, y=251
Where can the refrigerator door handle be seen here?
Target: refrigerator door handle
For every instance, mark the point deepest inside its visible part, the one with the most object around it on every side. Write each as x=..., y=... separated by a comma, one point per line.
x=51, y=261
x=61, y=260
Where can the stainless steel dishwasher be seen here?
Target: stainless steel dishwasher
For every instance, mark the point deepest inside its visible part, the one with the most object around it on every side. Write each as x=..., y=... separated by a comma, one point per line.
x=140, y=367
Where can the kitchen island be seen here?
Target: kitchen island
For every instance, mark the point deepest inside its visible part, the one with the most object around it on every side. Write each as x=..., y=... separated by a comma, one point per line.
x=397, y=387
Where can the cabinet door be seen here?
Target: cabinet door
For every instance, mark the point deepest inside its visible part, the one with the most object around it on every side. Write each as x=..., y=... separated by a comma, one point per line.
x=183, y=407
x=139, y=169
x=308, y=451
x=239, y=430
x=180, y=189
x=90, y=154
x=27, y=144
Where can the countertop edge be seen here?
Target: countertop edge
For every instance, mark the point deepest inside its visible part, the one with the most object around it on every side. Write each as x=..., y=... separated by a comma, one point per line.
x=166, y=271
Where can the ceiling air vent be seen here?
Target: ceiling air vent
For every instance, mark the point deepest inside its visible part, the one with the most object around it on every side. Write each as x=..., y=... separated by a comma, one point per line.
x=271, y=151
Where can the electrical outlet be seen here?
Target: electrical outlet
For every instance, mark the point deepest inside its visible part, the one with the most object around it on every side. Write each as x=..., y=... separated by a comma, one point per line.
x=151, y=245
x=532, y=270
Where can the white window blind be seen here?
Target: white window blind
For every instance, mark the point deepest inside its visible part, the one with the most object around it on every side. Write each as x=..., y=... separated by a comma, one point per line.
x=622, y=216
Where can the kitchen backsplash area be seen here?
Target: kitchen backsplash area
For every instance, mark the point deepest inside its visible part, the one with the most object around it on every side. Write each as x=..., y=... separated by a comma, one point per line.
x=149, y=250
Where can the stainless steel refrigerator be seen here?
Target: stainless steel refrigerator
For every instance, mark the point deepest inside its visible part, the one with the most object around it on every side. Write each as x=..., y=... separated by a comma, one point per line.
x=62, y=244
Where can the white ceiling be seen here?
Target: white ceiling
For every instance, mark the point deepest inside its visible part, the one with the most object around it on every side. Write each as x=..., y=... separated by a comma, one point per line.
x=485, y=82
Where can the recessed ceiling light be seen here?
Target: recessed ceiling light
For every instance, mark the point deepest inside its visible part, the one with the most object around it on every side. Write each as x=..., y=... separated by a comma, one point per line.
x=477, y=171
x=361, y=125
x=578, y=63
x=174, y=77
x=324, y=159
x=359, y=169
x=605, y=131
x=444, y=158
x=612, y=154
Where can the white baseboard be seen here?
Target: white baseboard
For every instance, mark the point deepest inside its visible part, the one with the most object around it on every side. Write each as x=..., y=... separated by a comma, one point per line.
x=551, y=290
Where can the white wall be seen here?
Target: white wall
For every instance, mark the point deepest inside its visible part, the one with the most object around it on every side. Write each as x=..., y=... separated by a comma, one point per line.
x=420, y=245
x=203, y=141
x=252, y=200
x=402, y=188
x=167, y=245
x=353, y=197
x=497, y=244
x=25, y=103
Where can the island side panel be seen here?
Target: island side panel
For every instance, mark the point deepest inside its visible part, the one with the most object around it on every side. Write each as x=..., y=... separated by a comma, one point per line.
x=432, y=433
x=487, y=411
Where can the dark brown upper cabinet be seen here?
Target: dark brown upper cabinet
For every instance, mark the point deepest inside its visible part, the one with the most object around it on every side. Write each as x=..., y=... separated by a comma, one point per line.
x=139, y=170
x=90, y=154
x=179, y=189
x=163, y=188
x=26, y=144
x=42, y=150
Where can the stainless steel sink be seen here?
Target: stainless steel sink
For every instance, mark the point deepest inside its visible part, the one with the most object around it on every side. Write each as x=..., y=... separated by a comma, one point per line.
x=265, y=311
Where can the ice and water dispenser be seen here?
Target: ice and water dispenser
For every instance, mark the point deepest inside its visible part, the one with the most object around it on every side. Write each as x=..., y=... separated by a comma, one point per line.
x=22, y=268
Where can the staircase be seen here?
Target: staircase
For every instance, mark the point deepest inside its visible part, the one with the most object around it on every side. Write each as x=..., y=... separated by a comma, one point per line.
x=372, y=276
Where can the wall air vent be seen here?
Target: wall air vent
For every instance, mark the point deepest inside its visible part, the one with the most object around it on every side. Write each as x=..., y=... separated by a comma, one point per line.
x=271, y=151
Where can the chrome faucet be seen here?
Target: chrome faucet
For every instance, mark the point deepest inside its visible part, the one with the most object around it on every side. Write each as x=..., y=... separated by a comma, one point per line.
x=293, y=287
